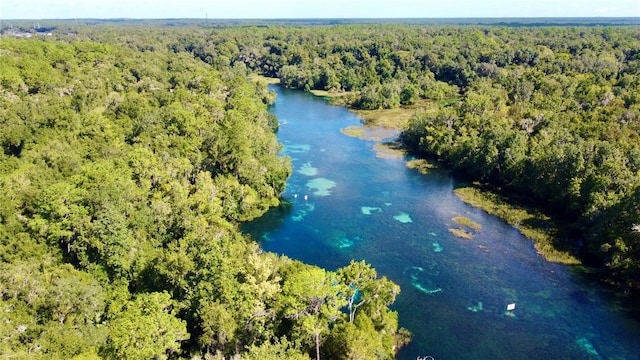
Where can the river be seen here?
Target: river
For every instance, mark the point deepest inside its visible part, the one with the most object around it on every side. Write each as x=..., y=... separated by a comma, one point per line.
x=346, y=203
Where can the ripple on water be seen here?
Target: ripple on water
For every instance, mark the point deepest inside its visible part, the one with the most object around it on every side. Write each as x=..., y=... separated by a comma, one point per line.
x=344, y=243
x=421, y=279
x=300, y=214
x=296, y=148
x=341, y=240
x=587, y=346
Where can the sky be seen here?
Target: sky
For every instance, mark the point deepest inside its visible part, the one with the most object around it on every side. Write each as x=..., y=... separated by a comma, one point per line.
x=269, y=9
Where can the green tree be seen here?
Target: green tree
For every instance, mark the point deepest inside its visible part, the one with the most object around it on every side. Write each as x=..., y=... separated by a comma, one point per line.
x=145, y=328
x=311, y=300
x=357, y=277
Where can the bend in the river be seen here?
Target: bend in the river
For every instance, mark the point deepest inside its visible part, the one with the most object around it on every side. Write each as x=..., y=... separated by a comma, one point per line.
x=488, y=297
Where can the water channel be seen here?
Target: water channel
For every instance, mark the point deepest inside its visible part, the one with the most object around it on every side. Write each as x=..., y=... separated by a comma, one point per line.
x=346, y=203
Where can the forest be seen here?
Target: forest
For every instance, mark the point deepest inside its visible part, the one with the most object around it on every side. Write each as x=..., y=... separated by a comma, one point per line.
x=131, y=155
x=125, y=173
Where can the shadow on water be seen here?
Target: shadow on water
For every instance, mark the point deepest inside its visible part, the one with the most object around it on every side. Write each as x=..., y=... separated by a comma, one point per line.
x=455, y=291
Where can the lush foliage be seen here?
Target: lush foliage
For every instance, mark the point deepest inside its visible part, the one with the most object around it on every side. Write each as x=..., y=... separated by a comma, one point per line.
x=129, y=157
x=554, y=118
x=550, y=114
x=125, y=170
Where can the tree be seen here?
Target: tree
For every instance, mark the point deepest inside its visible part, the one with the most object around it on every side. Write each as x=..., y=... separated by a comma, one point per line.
x=357, y=277
x=280, y=349
x=145, y=328
x=310, y=298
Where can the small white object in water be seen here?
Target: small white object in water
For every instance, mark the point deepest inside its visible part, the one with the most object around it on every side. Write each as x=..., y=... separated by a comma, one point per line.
x=295, y=196
x=511, y=307
x=306, y=197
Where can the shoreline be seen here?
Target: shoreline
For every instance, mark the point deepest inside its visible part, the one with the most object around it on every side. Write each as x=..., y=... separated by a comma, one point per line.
x=532, y=223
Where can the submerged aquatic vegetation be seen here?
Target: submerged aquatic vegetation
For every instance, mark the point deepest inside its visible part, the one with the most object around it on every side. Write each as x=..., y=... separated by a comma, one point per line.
x=461, y=220
x=388, y=151
x=308, y=170
x=367, y=210
x=461, y=233
x=321, y=186
x=421, y=165
x=371, y=133
x=532, y=224
x=403, y=218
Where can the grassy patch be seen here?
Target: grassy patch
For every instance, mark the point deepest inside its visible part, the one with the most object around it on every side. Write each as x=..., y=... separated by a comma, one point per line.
x=421, y=165
x=531, y=223
x=353, y=131
x=329, y=94
x=388, y=151
x=264, y=79
x=389, y=118
x=461, y=233
x=461, y=220
x=392, y=118
x=368, y=132
x=450, y=101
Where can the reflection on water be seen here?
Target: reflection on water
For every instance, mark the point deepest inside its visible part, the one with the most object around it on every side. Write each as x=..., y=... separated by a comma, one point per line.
x=343, y=203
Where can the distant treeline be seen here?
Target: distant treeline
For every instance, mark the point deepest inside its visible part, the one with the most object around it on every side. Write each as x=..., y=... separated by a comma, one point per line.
x=205, y=22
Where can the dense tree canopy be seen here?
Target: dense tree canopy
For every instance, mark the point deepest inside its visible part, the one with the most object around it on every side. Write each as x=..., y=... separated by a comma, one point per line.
x=125, y=170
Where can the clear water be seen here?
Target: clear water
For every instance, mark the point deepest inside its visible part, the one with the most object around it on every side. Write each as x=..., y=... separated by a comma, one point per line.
x=455, y=291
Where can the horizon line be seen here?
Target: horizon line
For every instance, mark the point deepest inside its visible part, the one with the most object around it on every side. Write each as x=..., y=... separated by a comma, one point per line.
x=335, y=18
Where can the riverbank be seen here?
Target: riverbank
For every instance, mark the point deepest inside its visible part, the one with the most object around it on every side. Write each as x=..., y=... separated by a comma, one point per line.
x=531, y=223
x=382, y=123
x=399, y=221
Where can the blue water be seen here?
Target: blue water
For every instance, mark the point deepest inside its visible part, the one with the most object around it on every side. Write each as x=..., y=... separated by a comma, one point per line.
x=455, y=291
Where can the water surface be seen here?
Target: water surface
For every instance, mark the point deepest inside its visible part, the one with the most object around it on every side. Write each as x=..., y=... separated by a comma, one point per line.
x=349, y=204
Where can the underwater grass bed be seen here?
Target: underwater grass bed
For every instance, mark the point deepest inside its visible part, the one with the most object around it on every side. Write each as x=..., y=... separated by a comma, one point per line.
x=531, y=223
x=372, y=133
x=330, y=94
x=390, y=118
x=461, y=233
x=388, y=151
x=421, y=165
x=461, y=220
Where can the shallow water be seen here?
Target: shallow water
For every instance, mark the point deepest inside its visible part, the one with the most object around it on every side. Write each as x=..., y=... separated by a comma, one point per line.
x=348, y=204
